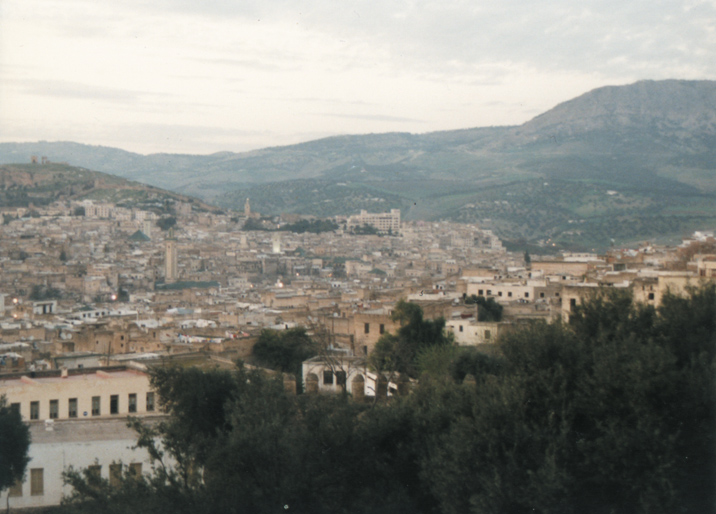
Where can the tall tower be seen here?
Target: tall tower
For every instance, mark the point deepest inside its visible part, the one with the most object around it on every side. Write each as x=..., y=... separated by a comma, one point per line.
x=247, y=209
x=170, y=258
x=276, y=243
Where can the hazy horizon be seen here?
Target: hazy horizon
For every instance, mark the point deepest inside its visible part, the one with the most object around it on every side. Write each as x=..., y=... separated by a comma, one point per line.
x=201, y=77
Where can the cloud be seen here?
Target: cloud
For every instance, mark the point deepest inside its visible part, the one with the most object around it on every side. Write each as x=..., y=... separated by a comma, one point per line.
x=75, y=90
x=372, y=117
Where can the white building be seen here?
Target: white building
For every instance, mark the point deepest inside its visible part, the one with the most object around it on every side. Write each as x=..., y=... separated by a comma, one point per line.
x=80, y=444
x=77, y=418
x=383, y=222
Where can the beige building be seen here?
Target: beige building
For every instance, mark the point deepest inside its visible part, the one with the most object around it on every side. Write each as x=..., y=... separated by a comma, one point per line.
x=469, y=332
x=79, y=393
x=383, y=222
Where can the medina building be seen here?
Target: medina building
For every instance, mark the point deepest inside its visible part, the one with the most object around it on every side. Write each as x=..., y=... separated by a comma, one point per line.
x=77, y=418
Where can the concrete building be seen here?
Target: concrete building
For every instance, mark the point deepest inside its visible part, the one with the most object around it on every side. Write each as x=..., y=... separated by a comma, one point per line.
x=79, y=393
x=383, y=222
x=96, y=444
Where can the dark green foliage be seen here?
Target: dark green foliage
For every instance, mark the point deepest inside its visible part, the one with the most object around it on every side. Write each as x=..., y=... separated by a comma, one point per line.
x=612, y=413
x=14, y=445
x=255, y=224
x=79, y=211
x=397, y=352
x=609, y=414
x=487, y=309
x=471, y=361
x=313, y=226
x=41, y=292
x=365, y=230
x=166, y=222
x=285, y=350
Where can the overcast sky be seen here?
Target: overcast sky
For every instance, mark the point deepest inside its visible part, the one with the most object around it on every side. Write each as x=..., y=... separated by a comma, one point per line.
x=200, y=76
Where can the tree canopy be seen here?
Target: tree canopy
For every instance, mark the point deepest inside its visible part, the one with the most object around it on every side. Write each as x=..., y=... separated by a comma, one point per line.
x=613, y=412
x=397, y=352
x=14, y=445
x=487, y=309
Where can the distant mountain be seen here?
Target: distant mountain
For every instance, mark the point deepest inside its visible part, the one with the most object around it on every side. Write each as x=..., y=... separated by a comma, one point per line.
x=618, y=163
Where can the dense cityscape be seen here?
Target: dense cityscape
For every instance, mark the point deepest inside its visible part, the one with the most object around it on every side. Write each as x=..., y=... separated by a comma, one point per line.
x=96, y=296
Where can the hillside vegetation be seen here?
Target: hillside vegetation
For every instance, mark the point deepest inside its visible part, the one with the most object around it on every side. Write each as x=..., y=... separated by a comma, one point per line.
x=623, y=163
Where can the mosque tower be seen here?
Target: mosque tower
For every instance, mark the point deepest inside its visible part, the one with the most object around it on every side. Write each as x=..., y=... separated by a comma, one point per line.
x=170, y=258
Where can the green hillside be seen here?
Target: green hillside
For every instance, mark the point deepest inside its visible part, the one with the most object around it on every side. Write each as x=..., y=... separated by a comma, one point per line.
x=623, y=163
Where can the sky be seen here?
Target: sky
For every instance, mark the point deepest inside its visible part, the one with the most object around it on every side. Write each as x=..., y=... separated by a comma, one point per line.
x=202, y=76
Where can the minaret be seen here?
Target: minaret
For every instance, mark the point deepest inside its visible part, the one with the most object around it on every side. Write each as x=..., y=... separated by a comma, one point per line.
x=170, y=258
x=276, y=243
x=247, y=209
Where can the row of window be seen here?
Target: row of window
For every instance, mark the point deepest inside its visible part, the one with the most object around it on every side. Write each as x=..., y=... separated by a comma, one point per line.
x=37, y=478
x=37, y=484
x=481, y=292
x=366, y=328
x=488, y=334
x=72, y=407
x=328, y=377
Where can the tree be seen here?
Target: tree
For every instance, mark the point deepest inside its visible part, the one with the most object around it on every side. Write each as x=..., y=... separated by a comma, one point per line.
x=285, y=350
x=487, y=309
x=166, y=222
x=615, y=412
x=14, y=445
x=397, y=352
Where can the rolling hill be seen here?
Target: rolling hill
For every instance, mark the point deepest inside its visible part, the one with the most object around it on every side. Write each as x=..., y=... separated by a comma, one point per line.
x=621, y=163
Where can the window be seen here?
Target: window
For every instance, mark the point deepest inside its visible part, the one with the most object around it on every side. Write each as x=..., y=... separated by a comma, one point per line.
x=499, y=293
x=489, y=292
x=72, y=409
x=96, y=406
x=460, y=328
x=527, y=295
x=340, y=378
x=54, y=409
x=37, y=482
x=115, y=475
x=34, y=410
x=488, y=335
x=132, y=405
x=381, y=329
x=365, y=350
x=135, y=469
x=114, y=404
x=327, y=377
x=366, y=328
x=15, y=490
x=150, y=402
x=541, y=295
x=572, y=303
x=480, y=292
x=651, y=296
x=556, y=295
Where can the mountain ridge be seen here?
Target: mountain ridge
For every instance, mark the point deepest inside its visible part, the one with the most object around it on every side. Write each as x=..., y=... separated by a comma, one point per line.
x=654, y=142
